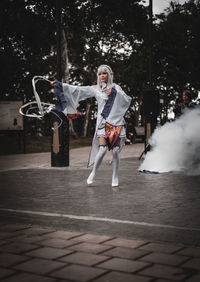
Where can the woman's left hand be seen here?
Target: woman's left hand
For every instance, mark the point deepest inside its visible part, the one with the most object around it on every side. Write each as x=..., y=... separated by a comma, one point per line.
x=108, y=91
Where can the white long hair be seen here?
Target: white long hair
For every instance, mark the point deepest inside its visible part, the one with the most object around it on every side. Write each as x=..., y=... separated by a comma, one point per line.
x=107, y=69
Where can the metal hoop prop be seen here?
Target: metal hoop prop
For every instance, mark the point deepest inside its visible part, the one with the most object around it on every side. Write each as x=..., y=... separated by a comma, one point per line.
x=41, y=107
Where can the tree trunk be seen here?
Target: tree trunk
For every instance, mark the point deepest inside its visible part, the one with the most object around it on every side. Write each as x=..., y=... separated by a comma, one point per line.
x=65, y=75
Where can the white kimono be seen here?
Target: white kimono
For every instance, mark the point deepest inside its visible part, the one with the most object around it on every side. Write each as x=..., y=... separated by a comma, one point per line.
x=75, y=94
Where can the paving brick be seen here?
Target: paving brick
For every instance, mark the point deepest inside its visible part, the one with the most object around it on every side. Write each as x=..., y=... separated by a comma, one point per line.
x=28, y=277
x=192, y=263
x=2, y=242
x=162, y=248
x=63, y=234
x=123, y=265
x=57, y=243
x=28, y=239
x=37, y=231
x=126, y=243
x=11, y=259
x=78, y=273
x=13, y=227
x=164, y=259
x=6, y=235
x=84, y=258
x=194, y=278
x=93, y=238
x=190, y=251
x=49, y=253
x=161, y=280
x=5, y=272
x=165, y=272
x=128, y=253
x=89, y=248
x=17, y=248
x=39, y=266
x=115, y=276
x=64, y=280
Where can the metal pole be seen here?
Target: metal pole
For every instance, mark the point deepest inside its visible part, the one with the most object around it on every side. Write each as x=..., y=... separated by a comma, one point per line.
x=60, y=136
x=149, y=94
x=58, y=39
x=150, y=41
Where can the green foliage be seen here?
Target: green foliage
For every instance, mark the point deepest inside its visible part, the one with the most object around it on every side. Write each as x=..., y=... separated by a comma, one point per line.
x=177, y=41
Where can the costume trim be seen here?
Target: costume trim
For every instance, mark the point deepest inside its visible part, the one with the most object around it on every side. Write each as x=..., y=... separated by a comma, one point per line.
x=61, y=103
x=112, y=134
x=109, y=103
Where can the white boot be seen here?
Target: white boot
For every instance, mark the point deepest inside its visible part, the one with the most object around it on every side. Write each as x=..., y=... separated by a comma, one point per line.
x=115, y=161
x=98, y=159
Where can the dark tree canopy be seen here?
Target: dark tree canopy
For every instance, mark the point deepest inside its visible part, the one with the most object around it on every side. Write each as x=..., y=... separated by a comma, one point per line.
x=97, y=31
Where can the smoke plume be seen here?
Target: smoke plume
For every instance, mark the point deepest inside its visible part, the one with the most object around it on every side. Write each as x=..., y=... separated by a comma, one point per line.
x=175, y=146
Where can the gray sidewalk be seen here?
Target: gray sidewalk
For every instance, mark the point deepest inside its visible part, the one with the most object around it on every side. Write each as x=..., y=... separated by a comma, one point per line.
x=54, y=227
x=77, y=157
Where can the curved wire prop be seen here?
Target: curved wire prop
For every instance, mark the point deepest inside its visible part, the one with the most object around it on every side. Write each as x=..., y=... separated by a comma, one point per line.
x=41, y=107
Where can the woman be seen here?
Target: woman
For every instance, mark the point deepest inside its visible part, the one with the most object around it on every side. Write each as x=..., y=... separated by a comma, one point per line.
x=184, y=103
x=110, y=126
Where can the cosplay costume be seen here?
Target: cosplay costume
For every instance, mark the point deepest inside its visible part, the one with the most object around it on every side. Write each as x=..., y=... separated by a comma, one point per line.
x=110, y=122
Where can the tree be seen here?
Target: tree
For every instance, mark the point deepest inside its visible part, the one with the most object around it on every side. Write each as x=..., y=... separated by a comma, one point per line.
x=24, y=50
x=176, y=56
x=108, y=32
x=95, y=31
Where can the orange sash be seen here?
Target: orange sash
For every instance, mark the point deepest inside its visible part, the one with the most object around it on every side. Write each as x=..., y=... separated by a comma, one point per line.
x=112, y=134
x=74, y=116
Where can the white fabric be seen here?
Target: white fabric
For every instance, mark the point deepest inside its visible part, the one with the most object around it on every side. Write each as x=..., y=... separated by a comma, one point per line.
x=98, y=159
x=75, y=94
x=115, y=162
x=101, y=131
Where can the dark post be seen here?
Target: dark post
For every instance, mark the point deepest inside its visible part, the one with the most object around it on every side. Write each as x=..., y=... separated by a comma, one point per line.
x=150, y=41
x=60, y=136
x=58, y=39
x=150, y=95
x=24, y=135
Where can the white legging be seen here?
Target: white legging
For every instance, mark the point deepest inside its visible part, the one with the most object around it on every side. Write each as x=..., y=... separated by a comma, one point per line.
x=98, y=159
x=115, y=161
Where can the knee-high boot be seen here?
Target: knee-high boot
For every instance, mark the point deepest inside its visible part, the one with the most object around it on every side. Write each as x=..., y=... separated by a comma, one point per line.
x=115, y=161
x=98, y=159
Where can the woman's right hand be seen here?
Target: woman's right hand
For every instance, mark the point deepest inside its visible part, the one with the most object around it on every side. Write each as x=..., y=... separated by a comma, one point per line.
x=53, y=83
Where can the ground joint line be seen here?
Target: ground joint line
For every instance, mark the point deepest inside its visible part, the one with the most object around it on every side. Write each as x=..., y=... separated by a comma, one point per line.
x=104, y=219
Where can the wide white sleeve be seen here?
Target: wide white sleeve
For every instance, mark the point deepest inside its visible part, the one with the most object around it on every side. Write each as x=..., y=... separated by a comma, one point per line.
x=75, y=94
x=123, y=99
x=121, y=104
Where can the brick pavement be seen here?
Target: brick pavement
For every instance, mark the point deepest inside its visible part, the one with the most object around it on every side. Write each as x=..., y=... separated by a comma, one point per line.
x=34, y=254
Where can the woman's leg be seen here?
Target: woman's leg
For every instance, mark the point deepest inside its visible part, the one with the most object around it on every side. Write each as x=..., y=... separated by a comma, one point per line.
x=98, y=159
x=115, y=161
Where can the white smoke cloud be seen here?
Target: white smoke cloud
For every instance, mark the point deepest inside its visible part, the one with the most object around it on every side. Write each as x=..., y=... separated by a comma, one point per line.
x=175, y=146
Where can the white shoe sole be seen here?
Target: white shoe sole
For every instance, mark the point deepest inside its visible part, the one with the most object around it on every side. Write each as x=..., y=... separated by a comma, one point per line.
x=89, y=182
x=115, y=185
